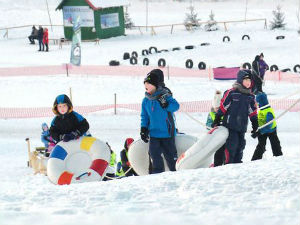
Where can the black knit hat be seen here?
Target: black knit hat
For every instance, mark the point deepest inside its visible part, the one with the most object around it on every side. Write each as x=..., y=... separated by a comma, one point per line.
x=152, y=78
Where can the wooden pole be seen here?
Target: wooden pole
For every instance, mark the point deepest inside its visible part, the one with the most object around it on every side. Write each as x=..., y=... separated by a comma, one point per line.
x=67, y=69
x=71, y=98
x=28, y=149
x=168, y=70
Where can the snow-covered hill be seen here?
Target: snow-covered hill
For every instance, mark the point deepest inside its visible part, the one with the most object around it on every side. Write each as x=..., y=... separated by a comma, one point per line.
x=261, y=192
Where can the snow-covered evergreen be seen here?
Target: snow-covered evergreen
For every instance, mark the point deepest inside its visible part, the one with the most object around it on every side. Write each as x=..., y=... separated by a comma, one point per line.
x=278, y=20
x=191, y=21
x=211, y=23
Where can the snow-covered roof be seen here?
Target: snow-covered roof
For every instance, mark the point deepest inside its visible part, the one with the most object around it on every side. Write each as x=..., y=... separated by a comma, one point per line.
x=107, y=3
x=99, y=4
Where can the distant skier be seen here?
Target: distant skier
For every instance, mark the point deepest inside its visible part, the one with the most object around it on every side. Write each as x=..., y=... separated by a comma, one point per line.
x=237, y=104
x=266, y=114
x=157, y=122
x=67, y=125
x=259, y=67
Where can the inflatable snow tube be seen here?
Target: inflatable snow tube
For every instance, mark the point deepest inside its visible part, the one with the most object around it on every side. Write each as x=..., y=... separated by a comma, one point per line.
x=176, y=49
x=114, y=63
x=285, y=70
x=205, y=44
x=145, y=52
x=197, y=156
x=150, y=50
x=189, y=64
x=126, y=56
x=139, y=158
x=189, y=47
x=82, y=160
x=161, y=62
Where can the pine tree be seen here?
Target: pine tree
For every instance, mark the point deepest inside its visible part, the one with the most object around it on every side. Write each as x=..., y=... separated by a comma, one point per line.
x=191, y=21
x=211, y=23
x=278, y=21
x=128, y=22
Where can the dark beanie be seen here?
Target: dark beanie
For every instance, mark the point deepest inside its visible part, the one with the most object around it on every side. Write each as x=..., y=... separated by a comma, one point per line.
x=152, y=78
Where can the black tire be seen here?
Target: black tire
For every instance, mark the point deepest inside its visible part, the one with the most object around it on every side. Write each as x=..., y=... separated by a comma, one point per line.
x=280, y=37
x=246, y=36
x=145, y=52
x=145, y=61
x=296, y=68
x=133, y=61
x=226, y=38
x=126, y=56
x=285, y=70
x=189, y=47
x=205, y=44
x=274, y=68
x=161, y=62
x=114, y=63
x=202, y=66
x=189, y=64
x=247, y=66
x=134, y=54
x=176, y=49
x=152, y=48
x=164, y=50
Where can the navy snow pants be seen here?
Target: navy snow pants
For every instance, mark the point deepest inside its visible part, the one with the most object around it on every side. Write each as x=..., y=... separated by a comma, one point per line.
x=234, y=147
x=165, y=146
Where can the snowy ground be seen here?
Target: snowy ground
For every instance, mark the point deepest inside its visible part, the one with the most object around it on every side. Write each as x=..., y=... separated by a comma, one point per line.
x=265, y=192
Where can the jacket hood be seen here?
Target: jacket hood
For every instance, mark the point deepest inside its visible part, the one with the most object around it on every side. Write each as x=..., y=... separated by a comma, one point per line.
x=62, y=99
x=242, y=74
x=262, y=99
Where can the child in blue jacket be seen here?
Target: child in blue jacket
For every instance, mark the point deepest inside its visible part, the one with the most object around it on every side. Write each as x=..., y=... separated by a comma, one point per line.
x=157, y=122
x=237, y=104
x=266, y=114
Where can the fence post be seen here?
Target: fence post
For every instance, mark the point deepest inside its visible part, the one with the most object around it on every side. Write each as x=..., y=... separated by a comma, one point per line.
x=115, y=104
x=70, y=90
x=265, y=24
x=168, y=71
x=172, y=29
x=67, y=69
x=225, y=26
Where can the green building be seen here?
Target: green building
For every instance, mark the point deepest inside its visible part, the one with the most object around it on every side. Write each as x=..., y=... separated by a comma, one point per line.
x=98, y=18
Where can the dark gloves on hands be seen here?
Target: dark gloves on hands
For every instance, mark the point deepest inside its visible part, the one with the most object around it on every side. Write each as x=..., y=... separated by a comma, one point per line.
x=144, y=134
x=70, y=136
x=163, y=100
x=254, y=132
x=217, y=121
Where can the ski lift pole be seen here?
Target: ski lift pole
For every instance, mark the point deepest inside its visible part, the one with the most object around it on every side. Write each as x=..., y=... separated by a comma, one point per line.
x=28, y=148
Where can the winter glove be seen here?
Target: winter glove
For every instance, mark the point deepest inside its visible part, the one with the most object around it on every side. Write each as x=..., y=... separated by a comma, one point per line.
x=217, y=121
x=254, y=132
x=163, y=100
x=144, y=134
x=71, y=136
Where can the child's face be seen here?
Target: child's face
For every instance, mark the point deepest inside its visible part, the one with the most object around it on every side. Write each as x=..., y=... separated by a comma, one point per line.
x=62, y=108
x=45, y=128
x=150, y=89
x=247, y=83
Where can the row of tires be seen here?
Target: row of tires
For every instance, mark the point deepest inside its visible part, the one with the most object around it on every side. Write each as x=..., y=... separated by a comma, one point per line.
x=162, y=63
x=274, y=67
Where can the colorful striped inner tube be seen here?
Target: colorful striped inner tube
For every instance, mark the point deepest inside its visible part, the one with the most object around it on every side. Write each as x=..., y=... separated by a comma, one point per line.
x=77, y=161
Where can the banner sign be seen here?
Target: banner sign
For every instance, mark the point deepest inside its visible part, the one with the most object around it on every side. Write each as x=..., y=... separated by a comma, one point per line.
x=76, y=44
x=109, y=20
x=86, y=14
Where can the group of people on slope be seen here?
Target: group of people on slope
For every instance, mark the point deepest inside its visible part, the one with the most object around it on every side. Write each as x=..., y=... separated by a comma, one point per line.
x=159, y=129
x=41, y=35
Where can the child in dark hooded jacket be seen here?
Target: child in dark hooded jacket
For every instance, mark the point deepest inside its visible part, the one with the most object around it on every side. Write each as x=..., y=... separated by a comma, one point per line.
x=67, y=125
x=237, y=104
x=266, y=114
